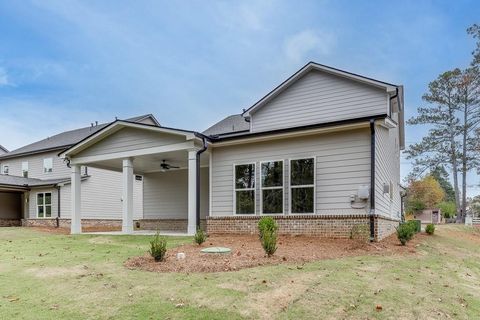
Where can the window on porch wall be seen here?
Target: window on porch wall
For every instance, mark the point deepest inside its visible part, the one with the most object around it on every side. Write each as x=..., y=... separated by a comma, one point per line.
x=44, y=205
x=245, y=189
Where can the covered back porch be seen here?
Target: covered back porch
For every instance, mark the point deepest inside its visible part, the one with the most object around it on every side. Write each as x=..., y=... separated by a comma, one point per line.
x=173, y=164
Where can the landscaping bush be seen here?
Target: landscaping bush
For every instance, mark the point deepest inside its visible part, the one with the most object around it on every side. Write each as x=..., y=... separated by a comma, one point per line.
x=430, y=228
x=200, y=236
x=416, y=225
x=267, y=224
x=360, y=232
x=267, y=228
x=158, y=247
x=405, y=232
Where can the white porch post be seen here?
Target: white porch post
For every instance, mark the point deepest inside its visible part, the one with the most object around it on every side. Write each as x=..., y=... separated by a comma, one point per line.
x=192, y=192
x=127, y=204
x=76, y=221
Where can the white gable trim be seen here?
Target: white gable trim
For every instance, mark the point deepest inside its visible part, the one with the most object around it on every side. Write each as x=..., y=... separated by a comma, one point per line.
x=116, y=126
x=389, y=88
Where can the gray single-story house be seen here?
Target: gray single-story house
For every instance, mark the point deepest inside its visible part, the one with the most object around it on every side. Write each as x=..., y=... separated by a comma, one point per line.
x=320, y=153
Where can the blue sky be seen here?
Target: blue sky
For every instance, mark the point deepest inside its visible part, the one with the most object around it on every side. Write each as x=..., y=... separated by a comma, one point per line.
x=65, y=64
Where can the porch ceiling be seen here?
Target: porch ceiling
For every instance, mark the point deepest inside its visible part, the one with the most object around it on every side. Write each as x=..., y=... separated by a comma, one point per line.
x=151, y=163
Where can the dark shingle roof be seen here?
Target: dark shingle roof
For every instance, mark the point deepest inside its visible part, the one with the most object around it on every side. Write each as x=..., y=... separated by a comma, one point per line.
x=231, y=124
x=61, y=140
x=7, y=180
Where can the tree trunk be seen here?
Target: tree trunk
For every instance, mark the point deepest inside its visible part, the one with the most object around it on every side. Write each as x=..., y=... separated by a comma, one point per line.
x=464, y=160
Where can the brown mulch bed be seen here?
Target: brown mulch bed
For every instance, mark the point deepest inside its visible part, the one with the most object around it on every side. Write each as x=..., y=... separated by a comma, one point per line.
x=247, y=252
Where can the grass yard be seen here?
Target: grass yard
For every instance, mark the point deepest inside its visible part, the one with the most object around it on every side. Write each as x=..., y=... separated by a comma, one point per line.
x=45, y=276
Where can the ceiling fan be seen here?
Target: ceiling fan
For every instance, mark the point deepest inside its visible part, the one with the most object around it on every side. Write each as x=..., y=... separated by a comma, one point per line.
x=166, y=166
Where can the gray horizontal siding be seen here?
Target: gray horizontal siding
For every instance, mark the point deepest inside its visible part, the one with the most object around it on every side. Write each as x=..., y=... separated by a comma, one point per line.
x=127, y=139
x=318, y=98
x=387, y=157
x=101, y=196
x=342, y=164
x=35, y=166
x=166, y=194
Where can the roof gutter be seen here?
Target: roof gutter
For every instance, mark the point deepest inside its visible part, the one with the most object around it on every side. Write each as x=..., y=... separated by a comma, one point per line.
x=197, y=187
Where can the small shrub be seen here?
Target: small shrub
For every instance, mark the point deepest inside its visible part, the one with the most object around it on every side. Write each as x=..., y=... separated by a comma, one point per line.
x=416, y=225
x=430, y=228
x=267, y=224
x=269, y=242
x=200, y=236
x=158, y=247
x=405, y=232
x=267, y=228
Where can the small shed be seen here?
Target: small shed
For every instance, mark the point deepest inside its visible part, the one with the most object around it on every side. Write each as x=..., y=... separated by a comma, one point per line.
x=429, y=216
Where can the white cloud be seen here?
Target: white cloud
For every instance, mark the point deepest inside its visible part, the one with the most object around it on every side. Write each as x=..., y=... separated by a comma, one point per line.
x=308, y=42
x=4, y=81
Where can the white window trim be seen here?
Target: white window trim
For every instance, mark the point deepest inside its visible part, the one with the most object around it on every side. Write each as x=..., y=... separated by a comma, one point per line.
x=28, y=169
x=302, y=186
x=273, y=188
x=246, y=189
x=44, y=171
x=3, y=168
x=44, y=205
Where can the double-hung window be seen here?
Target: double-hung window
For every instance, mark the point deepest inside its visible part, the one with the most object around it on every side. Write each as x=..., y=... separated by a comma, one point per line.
x=244, y=188
x=25, y=169
x=302, y=185
x=44, y=205
x=272, y=187
x=5, y=169
x=47, y=165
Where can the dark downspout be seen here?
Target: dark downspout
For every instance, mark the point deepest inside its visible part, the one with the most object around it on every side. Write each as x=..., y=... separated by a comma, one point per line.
x=372, y=179
x=58, y=206
x=199, y=152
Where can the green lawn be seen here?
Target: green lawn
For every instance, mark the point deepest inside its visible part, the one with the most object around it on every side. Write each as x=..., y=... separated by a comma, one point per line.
x=45, y=276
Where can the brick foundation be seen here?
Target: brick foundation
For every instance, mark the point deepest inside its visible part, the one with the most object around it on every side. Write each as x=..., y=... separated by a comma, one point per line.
x=175, y=225
x=328, y=226
x=10, y=222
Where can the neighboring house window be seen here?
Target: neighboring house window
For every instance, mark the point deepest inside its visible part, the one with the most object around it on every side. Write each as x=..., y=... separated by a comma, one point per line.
x=5, y=169
x=245, y=189
x=25, y=169
x=44, y=205
x=302, y=185
x=47, y=165
x=272, y=187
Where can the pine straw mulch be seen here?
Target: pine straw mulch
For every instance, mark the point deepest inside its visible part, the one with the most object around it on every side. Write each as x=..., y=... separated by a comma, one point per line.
x=247, y=253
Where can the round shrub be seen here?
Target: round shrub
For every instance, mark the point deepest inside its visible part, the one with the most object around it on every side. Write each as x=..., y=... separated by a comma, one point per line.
x=158, y=247
x=430, y=228
x=200, y=236
x=405, y=232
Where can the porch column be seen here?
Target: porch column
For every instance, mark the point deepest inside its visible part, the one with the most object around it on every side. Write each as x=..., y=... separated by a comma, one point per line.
x=192, y=192
x=76, y=221
x=127, y=204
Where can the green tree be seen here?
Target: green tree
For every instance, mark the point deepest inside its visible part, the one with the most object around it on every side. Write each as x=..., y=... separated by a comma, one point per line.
x=441, y=175
x=424, y=194
x=448, y=209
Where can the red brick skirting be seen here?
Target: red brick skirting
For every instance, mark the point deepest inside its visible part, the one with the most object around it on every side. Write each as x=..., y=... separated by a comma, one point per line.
x=10, y=222
x=328, y=226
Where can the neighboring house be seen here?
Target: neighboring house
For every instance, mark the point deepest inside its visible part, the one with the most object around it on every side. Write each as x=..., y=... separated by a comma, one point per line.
x=320, y=153
x=35, y=183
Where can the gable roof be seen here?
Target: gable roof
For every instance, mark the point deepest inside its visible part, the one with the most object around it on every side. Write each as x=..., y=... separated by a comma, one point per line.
x=2, y=148
x=119, y=124
x=232, y=124
x=64, y=139
x=391, y=88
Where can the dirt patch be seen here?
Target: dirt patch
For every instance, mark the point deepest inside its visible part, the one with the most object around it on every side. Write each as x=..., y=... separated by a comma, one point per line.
x=247, y=252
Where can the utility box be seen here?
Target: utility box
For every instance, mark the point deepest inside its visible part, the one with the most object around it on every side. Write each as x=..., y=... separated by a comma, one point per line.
x=363, y=192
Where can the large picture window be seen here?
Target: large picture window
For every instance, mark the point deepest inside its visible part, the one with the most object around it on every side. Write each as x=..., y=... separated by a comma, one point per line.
x=302, y=185
x=272, y=187
x=245, y=188
x=44, y=205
